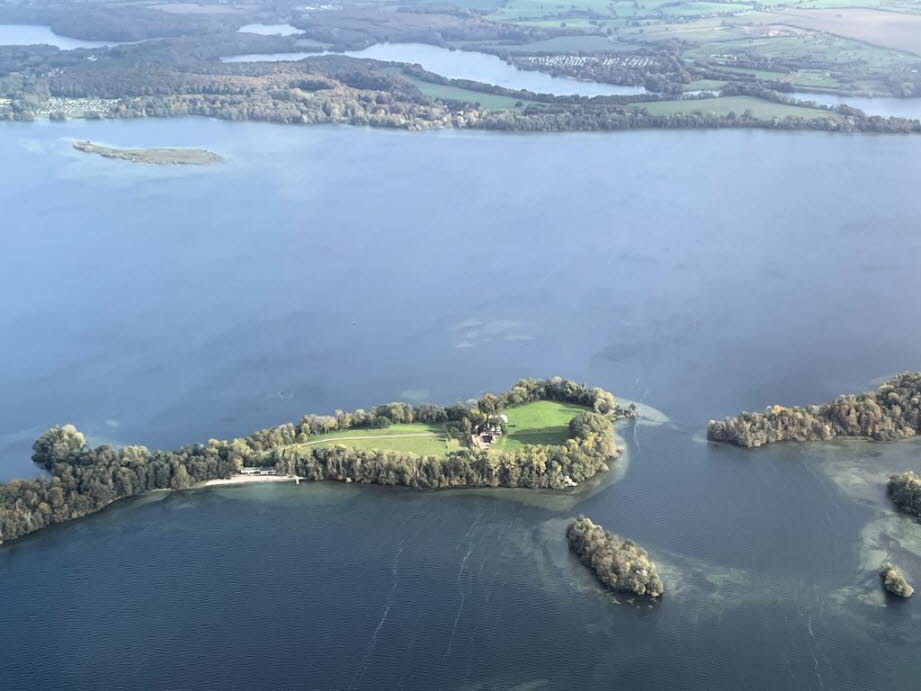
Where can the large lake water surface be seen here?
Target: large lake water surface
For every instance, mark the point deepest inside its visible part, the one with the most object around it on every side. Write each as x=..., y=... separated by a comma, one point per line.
x=699, y=273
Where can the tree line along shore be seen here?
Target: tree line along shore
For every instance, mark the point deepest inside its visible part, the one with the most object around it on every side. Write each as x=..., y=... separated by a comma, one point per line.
x=890, y=413
x=81, y=480
x=180, y=77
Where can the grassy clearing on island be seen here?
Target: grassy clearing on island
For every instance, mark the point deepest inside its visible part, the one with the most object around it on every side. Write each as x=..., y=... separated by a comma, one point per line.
x=415, y=437
x=759, y=108
x=541, y=422
x=455, y=93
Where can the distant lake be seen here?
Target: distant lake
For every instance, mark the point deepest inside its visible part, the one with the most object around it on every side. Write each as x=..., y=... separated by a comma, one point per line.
x=270, y=29
x=32, y=34
x=462, y=64
x=700, y=272
x=882, y=105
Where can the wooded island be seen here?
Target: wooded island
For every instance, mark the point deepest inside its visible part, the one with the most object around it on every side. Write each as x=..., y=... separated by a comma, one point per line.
x=549, y=434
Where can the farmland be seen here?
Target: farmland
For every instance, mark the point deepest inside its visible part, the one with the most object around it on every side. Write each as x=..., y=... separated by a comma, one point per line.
x=543, y=422
x=486, y=100
x=759, y=108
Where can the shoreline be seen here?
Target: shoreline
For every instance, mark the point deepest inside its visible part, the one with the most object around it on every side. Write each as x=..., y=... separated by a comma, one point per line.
x=249, y=480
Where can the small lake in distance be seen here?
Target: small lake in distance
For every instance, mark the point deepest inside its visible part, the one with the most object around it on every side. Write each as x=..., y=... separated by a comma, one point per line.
x=270, y=29
x=34, y=34
x=462, y=64
x=884, y=106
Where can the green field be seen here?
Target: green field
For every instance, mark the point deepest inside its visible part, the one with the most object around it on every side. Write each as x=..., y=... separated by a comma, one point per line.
x=736, y=104
x=415, y=437
x=487, y=101
x=541, y=422
x=705, y=85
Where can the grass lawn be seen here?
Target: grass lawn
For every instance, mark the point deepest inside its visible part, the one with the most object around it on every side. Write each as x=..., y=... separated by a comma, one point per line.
x=541, y=422
x=738, y=104
x=705, y=85
x=415, y=437
x=487, y=101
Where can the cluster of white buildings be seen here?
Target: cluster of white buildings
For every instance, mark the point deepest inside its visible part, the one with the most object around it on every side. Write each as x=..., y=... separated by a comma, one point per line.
x=77, y=107
x=624, y=61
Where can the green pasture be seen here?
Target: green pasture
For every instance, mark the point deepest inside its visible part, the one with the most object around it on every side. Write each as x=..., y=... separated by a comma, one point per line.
x=761, y=109
x=486, y=100
x=415, y=437
x=541, y=422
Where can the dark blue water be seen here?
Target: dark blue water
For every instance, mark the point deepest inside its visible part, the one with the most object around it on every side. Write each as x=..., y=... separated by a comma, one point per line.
x=699, y=273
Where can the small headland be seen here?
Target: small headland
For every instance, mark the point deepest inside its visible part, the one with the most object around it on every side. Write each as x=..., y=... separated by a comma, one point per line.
x=891, y=412
x=154, y=156
x=619, y=564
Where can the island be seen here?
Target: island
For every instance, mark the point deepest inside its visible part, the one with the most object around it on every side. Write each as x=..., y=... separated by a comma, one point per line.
x=619, y=564
x=540, y=434
x=891, y=412
x=894, y=582
x=905, y=491
x=156, y=156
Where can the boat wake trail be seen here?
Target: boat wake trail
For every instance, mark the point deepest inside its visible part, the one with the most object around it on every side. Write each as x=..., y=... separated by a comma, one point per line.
x=372, y=644
x=460, y=587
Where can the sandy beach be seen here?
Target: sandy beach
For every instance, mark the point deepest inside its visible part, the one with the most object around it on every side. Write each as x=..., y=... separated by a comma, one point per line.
x=247, y=479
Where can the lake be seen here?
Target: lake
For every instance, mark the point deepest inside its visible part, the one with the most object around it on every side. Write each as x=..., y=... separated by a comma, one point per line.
x=882, y=105
x=699, y=273
x=270, y=29
x=32, y=34
x=462, y=64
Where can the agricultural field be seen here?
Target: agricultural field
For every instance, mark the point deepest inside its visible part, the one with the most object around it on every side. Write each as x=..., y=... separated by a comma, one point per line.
x=704, y=85
x=734, y=104
x=486, y=100
x=541, y=422
x=892, y=30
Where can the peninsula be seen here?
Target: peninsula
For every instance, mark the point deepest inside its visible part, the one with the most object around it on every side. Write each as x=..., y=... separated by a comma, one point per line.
x=156, y=156
x=547, y=434
x=891, y=412
x=619, y=564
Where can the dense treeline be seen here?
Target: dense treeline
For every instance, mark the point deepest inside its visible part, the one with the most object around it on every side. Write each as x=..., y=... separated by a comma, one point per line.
x=100, y=23
x=618, y=564
x=359, y=27
x=905, y=491
x=891, y=412
x=83, y=480
x=181, y=76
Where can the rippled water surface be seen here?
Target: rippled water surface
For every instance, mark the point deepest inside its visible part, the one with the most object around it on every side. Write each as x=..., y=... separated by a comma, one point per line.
x=696, y=272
